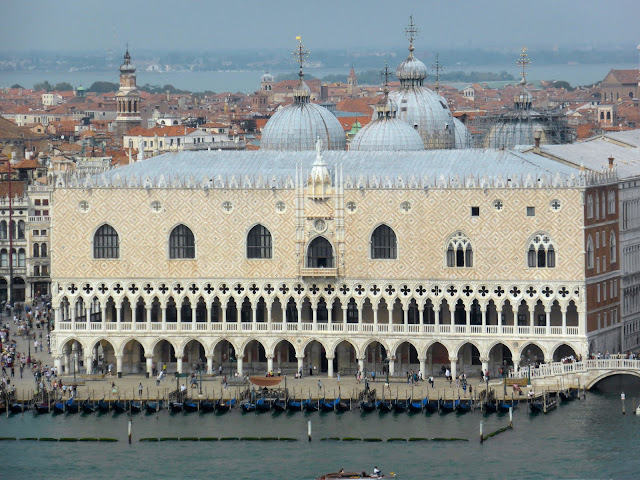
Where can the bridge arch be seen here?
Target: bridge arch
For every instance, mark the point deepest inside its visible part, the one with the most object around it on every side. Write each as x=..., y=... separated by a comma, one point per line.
x=611, y=373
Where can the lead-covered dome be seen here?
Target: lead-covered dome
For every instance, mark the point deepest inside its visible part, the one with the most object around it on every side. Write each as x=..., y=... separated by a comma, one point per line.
x=386, y=132
x=299, y=125
x=127, y=66
x=462, y=134
x=266, y=77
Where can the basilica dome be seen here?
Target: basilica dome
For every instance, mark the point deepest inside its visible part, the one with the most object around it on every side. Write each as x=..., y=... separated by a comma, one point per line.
x=386, y=132
x=462, y=135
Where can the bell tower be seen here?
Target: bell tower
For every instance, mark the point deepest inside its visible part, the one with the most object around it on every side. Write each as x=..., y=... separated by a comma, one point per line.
x=127, y=98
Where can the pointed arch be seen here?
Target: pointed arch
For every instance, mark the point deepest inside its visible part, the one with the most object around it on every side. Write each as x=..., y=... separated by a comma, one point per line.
x=259, y=243
x=106, y=242
x=320, y=253
x=459, y=251
x=384, y=243
x=182, y=243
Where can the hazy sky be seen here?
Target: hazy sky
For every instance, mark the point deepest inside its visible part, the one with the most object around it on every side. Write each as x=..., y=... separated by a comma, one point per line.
x=67, y=25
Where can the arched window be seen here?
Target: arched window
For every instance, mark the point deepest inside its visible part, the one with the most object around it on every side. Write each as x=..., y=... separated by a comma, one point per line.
x=3, y=230
x=22, y=257
x=106, y=243
x=459, y=251
x=21, y=230
x=383, y=243
x=612, y=202
x=259, y=242
x=320, y=253
x=612, y=248
x=604, y=207
x=597, y=207
x=43, y=250
x=589, y=206
x=36, y=249
x=4, y=258
x=541, y=253
x=182, y=243
x=589, y=252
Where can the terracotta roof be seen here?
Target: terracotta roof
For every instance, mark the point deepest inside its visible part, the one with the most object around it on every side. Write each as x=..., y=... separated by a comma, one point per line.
x=8, y=129
x=169, y=131
x=27, y=164
x=17, y=187
x=360, y=105
x=626, y=76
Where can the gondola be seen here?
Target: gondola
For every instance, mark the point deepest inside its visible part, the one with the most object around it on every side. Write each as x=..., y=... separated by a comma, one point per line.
x=383, y=406
x=88, y=407
x=136, y=407
x=248, y=407
x=353, y=475
x=432, y=406
x=175, y=407
x=263, y=405
x=312, y=405
x=490, y=407
x=279, y=406
x=418, y=407
x=294, y=405
x=536, y=405
x=58, y=407
x=153, y=407
x=104, y=407
x=569, y=395
x=464, y=406
x=42, y=408
x=120, y=407
x=18, y=407
x=190, y=407
x=224, y=406
x=72, y=406
x=368, y=407
x=329, y=406
x=343, y=406
x=399, y=406
x=448, y=407
x=503, y=407
x=207, y=406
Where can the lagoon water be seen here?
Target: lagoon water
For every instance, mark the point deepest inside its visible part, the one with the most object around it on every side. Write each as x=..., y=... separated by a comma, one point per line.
x=582, y=439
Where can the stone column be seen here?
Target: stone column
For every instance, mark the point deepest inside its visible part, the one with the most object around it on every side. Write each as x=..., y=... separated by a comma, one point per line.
x=239, y=314
x=209, y=364
x=375, y=318
x=361, y=364
x=360, y=309
x=148, y=310
x=87, y=316
x=119, y=365
x=392, y=366
x=467, y=314
x=149, y=359
x=548, y=320
x=164, y=317
x=194, y=312
x=73, y=318
x=390, y=311
x=88, y=363
x=485, y=364
x=66, y=362
x=532, y=317
x=56, y=313
x=484, y=319
x=118, y=318
x=179, y=362
x=300, y=363
x=421, y=314
x=500, y=320
x=269, y=363
x=405, y=316
x=423, y=366
x=269, y=316
x=436, y=318
x=103, y=316
x=299, y=311
x=344, y=318
x=314, y=312
x=254, y=316
x=564, y=321
x=330, y=367
x=240, y=359
x=224, y=313
x=454, y=361
x=57, y=362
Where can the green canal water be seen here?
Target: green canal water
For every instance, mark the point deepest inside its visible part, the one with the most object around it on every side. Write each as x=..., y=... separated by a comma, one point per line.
x=586, y=439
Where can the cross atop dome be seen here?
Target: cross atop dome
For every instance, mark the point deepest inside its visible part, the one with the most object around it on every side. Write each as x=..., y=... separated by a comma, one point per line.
x=411, y=32
x=301, y=53
x=523, y=62
x=438, y=67
x=385, y=74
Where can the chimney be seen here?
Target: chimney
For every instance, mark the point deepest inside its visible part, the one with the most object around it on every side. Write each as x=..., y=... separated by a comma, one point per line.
x=611, y=159
x=537, y=135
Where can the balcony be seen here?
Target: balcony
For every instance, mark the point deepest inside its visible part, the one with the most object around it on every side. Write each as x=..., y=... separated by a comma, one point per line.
x=40, y=219
x=319, y=272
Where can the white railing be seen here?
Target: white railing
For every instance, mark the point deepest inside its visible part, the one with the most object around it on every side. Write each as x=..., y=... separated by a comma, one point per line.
x=539, y=330
x=231, y=327
x=186, y=327
x=307, y=327
x=556, y=330
x=572, y=330
x=507, y=329
x=383, y=328
x=414, y=328
x=352, y=327
x=398, y=328
x=172, y=327
x=477, y=329
x=93, y=326
x=112, y=326
x=156, y=327
x=276, y=327
x=216, y=327
x=460, y=328
x=367, y=327
x=63, y=325
x=262, y=327
x=492, y=329
x=246, y=326
x=141, y=326
x=428, y=328
x=523, y=330
x=336, y=327
x=202, y=327
x=81, y=325
x=292, y=327
x=558, y=368
x=322, y=327
x=125, y=326
x=445, y=328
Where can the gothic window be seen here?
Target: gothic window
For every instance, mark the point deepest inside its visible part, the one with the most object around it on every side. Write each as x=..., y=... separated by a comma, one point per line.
x=259, y=242
x=589, y=252
x=106, y=243
x=459, y=251
x=4, y=258
x=320, y=253
x=21, y=230
x=589, y=206
x=43, y=249
x=22, y=257
x=36, y=249
x=541, y=252
x=3, y=230
x=604, y=207
x=612, y=247
x=612, y=202
x=182, y=243
x=383, y=243
x=597, y=206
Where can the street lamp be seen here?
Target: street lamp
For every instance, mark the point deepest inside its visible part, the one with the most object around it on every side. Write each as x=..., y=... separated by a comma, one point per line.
x=386, y=362
x=200, y=381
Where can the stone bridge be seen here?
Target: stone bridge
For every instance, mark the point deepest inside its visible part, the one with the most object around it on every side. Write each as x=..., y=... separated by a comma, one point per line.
x=586, y=373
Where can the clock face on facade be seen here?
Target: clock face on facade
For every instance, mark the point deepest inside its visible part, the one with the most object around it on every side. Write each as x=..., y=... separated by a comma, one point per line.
x=319, y=225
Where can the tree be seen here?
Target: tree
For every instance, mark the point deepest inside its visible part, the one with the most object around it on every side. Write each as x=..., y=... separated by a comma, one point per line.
x=16, y=85
x=103, y=87
x=63, y=87
x=46, y=86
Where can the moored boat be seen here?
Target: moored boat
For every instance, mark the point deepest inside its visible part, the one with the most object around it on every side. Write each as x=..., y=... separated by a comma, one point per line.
x=153, y=407
x=343, y=406
x=432, y=406
x=399, y=406
x=418, y=407
x=384, y=406
x=225, y=406
x=119, y=407
x=18, y=407
x=503, y=407
x=464, y=406
x=175, y=407
x=248, y=407
x=136, y=407
x=207, y=406
x=448, y=407
x=368, y=407
x=88, y=407
x=343, y=474
x=263, y=405
x=190, y=407
x=42, y=408
x=279, y=406
x=329, y=406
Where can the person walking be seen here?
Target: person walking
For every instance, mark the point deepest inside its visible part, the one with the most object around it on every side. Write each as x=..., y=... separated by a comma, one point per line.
x=140, y=390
